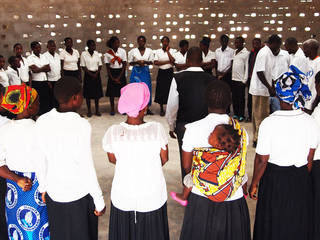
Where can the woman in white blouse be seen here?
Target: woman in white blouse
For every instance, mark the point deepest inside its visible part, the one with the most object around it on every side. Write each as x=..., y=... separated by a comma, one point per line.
x=139, y=149
x=116, y=63
x=208, y=56
x=163, y=58
x=91, y=65
x=70, y=60
x=24, y=66
x=141, y=58
x=284, y=154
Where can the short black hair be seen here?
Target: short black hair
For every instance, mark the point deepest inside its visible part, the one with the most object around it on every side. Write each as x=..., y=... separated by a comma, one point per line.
x=292, y=41
x=240, y=38
x=224, y=37
x=218, y=95
x=183, y=43
x=67, y=38
x=17, y=44
x=205, y=41
x=274, y=39
x=90, y=41
x=11, y=60
x=111, y=41
x=229, y=138
x=194, y=55
x=65, y=88
x=34, y=44
x=257, y=39
x=50, y=41
x=165, y=37
x=143, y=37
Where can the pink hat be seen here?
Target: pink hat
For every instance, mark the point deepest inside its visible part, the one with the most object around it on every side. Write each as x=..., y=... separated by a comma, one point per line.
x=134, y=97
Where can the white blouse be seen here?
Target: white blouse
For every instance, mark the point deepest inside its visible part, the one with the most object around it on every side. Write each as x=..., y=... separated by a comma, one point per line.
x=120, y=53
x=160, y=55
x=224, y=58
x=134, y=55
x=24, y=70
x=138, y=183
x=39, y=62
x=4, y=80
x=92, y=63
x=13, y=76
x=70, y=62
x=55, y=66
x=209, y=57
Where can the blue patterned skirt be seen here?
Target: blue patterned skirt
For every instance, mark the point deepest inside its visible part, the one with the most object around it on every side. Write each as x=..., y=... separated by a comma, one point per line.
x=142, y=74
x=27, y=216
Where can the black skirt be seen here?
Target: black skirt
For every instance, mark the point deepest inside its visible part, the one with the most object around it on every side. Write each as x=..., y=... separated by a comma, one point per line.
x=164, y=80
x=72, y=220
x=72, y=74
x=208, y=220
x=316, y=199
x=130, y=225
x=113, y=89
x=44, y=92
x=3, y=221
x=284, y=204
x=92, y=87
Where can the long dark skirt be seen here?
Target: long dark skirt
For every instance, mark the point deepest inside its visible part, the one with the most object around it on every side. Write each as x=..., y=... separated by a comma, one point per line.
x=92, y=87
x=44, y=92
x=284, y=204
x=164, y=80
x=130, y=225
x=113, y=88
x=316, y=199
x=72, y=220
x=3, y=221
x=72, y=74
x=208, y=220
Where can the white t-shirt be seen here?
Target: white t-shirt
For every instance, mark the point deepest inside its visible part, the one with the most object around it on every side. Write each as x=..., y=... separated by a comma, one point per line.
x=24, y=70
x=300, y=61
x=240, y=66
x=55, y=66
x=282, y=63
x=39, y=62
x=160, y=55
x=314, y=66
x=138, y=183
x=197, y=134
x=209, y=57
x=65, y=141
x=4, y=80
x=120, y=53
x=70, y=62
x=92, y=63
x=14, y=78
x=316, y=116
x=134, y=55
x=264, y=63
x=287, y=137
x=224, y=58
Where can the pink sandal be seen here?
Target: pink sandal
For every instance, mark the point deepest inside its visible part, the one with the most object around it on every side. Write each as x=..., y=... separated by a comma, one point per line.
x=180, y=201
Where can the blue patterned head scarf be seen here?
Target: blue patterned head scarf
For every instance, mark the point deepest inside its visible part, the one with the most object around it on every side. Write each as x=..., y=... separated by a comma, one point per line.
x=292, y=87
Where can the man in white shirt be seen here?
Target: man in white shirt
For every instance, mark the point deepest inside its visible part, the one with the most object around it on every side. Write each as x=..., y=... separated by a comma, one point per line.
x=261, y=86
x=4, y=80
x=181, y=56
x=13, y=71
x=239, y=78
x=24, y=66
x=297, y=57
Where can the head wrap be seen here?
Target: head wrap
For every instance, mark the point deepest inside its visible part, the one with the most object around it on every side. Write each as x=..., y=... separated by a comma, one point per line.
x=17, y=98
x=134, y=97
x=292, y=87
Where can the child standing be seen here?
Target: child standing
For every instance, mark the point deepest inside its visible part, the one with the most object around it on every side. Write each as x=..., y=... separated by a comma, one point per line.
x=71, y=189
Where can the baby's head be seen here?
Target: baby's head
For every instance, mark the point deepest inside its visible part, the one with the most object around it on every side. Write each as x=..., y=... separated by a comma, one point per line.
x=225, y=137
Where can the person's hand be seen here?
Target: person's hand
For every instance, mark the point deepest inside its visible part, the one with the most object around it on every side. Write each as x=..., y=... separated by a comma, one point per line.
x=43, y=197
x=245, y=189
x=117, y=80
x=172, y=135
x=25, y=183
x=141, y=63
x=253, y=191
x=272, y=91
x=167, y=48
x=98, y=214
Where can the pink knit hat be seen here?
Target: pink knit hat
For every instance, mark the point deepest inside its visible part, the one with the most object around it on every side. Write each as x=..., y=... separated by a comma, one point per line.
x=134, y=97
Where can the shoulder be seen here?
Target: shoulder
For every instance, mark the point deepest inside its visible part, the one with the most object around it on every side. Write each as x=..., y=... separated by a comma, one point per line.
x=121, y=50
x=76, y=51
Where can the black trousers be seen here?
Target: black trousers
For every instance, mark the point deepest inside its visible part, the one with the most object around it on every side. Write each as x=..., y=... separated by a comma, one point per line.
x=3, y=221
x=180, y=129
x=227, y=79
x=238, y=97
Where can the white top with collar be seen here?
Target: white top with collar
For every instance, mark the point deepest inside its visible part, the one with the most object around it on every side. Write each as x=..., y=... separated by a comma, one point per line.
x=91, y=62
x=13, y=76
x=300, y=61
x=314, y=68
x=39, y=62
x=55, y=66
x=224, y=58
x=65, y=141
x=179, y=58
x=24, y=69
x=4, y=80
x=197, y=134
x=70, y=62
x=287, y=136
x=209, y=57
x=240, y=66
x=282, y=63
x=138, y=183
x=120, y=53
x=160, y=55
x=134, y=55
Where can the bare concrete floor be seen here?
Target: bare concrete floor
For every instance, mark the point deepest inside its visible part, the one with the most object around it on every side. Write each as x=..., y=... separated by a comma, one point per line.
x=105, y=170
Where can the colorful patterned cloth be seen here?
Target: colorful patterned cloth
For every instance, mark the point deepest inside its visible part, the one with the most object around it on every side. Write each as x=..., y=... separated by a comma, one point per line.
x=17, y=98
x=142, y=74
x=218, y=174
x=27, y=217
x=292, y=87
x=115, y=57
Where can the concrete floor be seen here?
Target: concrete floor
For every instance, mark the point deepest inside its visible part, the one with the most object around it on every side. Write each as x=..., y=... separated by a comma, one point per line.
x=105, y=170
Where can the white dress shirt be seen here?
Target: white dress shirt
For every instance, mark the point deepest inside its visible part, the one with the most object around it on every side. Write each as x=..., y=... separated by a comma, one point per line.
x=24, y=69
x=197, y=134
x=91, y=62
x=55, y=66
x=209, y=57
x=287, y=136
x=179, y=58
x=300, y=61
x=173, y=100
x=240, y=66
x=265, y=62
x=160, y=55
x=39, y=62
x=70, y=62
x=314, y=68
x=13, y=76
x=134, y=55
x=224, y=58
x=4, y=80
x=65, y=140
x=282, y=63
x=138, y=183
x=121, y=53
